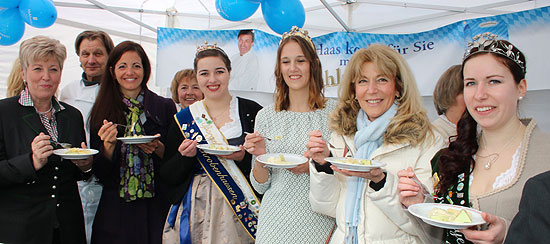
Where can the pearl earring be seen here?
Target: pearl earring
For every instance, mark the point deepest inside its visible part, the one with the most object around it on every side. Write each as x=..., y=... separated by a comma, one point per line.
x=520, y=98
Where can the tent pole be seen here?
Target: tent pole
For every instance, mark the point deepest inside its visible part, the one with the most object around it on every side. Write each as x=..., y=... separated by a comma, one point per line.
x=336, y=16
x=103, y=6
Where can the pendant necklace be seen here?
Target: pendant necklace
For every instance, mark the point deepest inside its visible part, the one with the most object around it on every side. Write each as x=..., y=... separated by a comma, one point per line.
x=493, y=157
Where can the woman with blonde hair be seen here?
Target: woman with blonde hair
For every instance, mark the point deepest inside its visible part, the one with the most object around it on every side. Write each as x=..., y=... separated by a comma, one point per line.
x=379, y=116
x=40, y=202
x=15, y=81
x=185, y=88
x=300, y=106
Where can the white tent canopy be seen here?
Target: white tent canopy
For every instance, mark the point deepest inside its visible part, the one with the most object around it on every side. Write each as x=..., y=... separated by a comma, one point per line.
x=138, y=20
x=324, y=16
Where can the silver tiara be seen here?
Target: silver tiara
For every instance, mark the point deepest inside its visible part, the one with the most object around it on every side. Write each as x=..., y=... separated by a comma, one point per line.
x=488, y=43
x=207, y=46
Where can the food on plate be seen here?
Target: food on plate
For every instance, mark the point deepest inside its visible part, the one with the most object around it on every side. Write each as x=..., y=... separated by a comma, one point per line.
x=276, y=138
x=76, y=150
x=278, y=160
x=450, y=215
x=219, y=147
x=356, y=161
x=137, y=136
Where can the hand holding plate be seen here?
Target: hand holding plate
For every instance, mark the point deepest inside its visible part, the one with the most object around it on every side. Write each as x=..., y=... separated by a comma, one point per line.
x=495, y=233
x=83, y=164
x=300, y=169
x=152, y=146
x=236, y=156
x=375, y=175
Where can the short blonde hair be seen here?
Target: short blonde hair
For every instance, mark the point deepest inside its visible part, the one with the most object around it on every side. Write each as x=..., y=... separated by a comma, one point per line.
x=184, y=73
x=15, y=81
x=448, y=87
x=410, y=124
x=41, y=48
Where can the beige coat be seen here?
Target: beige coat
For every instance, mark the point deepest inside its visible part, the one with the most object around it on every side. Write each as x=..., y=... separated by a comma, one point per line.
x=533, y=160
x=383, y=219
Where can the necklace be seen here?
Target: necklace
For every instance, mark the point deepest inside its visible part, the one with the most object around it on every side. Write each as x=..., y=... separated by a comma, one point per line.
x=494, y=156
x=44, y=113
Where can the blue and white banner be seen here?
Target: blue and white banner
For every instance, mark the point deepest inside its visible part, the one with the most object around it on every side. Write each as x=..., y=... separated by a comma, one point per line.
x=428, y=53
x=177, y=48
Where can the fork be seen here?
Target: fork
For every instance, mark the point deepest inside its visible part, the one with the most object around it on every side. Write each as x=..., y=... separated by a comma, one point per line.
x=265, y=137
x=60, y=145
x=332, y=146
x=427, y=194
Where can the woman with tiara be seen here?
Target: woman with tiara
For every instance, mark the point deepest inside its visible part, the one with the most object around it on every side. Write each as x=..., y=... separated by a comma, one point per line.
x=212, y=201
x=495, y=151
x=300, y=107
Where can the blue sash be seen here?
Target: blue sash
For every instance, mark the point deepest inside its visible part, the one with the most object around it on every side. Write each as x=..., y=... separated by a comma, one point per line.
x=224, y=173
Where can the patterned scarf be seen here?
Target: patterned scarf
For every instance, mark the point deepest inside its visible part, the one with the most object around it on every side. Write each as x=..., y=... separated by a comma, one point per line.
x=368, y=138
x=137, y=171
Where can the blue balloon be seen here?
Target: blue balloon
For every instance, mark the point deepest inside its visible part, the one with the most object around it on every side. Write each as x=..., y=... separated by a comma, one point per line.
x=12, y=26
x=255, y=1
x=236, y=10
x=281, y=15
x=9, y=3
x=38, y=13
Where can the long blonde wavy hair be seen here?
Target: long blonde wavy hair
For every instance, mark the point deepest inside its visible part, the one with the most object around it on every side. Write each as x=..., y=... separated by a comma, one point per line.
x=410, y=124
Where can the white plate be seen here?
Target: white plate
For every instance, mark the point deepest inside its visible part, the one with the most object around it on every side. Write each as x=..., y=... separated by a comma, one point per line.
x=337, y=161
x=292, y=160
x=63, y=153
x=228, y=149
x=421, y=210
x=136, y=139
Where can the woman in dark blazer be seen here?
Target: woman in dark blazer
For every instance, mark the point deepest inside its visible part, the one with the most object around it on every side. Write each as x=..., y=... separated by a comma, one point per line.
x=133, y=204
x=39, y=200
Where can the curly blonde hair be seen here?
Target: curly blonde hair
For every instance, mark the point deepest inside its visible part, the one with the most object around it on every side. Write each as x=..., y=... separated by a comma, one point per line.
x=410, y=124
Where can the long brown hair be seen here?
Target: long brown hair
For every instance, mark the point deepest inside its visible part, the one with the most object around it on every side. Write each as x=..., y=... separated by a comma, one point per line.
x=108, y=104
x=458, y=157
x=316, y=86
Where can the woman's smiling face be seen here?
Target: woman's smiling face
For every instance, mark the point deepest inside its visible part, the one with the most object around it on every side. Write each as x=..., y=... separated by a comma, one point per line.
x=295, y=66
x=374, y=91
x=490, y=91
x=213, y=77
x=129, y=73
